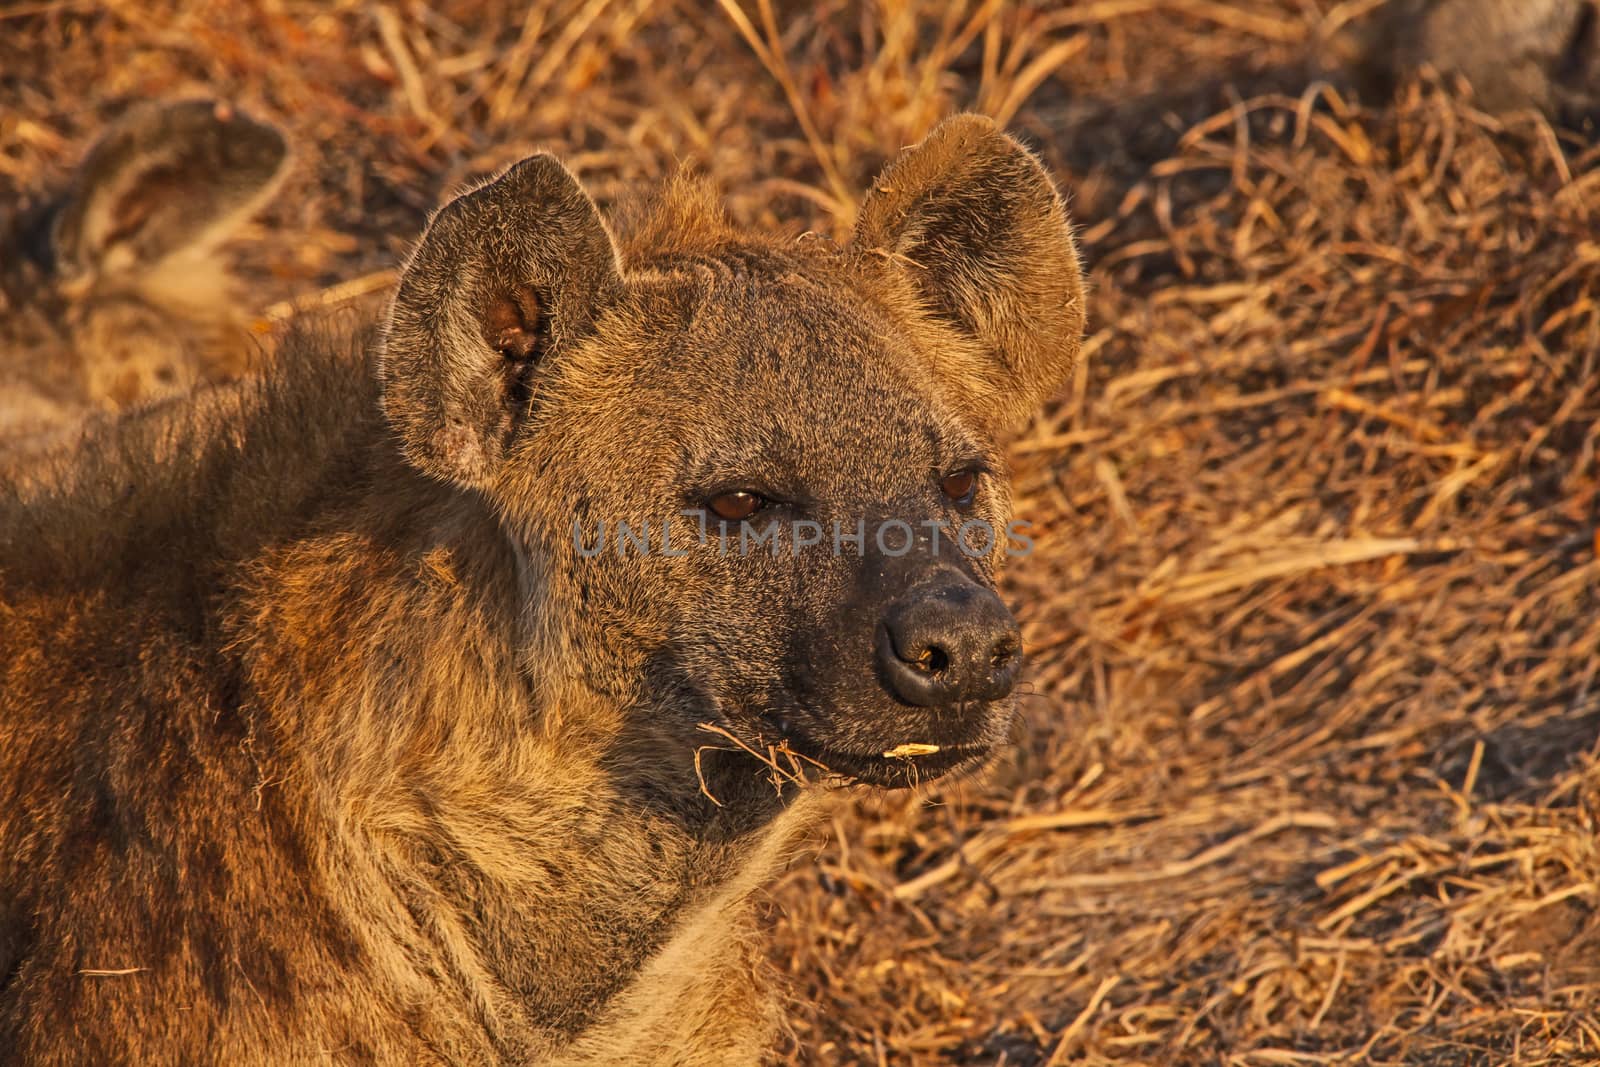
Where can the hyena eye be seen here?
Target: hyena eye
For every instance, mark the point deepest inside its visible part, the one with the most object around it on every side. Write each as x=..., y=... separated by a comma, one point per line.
x=960, y=487
x=735, y=507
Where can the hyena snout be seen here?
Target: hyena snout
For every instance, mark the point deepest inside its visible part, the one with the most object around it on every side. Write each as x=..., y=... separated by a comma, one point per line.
x=949, y=642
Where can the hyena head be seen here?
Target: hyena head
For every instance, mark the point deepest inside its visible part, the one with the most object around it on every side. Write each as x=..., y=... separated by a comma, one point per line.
x=110, y=292
x=795, y=435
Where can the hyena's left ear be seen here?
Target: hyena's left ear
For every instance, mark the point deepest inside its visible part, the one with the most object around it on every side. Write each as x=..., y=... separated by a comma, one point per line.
x=504, y=277
x=970, y=221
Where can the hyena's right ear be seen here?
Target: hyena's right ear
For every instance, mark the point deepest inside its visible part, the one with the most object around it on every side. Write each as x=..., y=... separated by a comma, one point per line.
x=504, y=276
x=165, y=179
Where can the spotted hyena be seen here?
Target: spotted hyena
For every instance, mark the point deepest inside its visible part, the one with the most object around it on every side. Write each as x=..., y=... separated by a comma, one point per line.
x=359, y=731
x=111, y=290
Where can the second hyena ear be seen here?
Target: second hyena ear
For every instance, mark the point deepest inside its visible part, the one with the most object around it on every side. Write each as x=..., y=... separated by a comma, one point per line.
x=165, y=179
x=503, y=277
x=970, y=221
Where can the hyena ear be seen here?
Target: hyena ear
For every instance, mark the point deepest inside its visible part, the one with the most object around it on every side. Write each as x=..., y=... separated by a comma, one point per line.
x=504, y=276
x=971, y=223
x=165, y=179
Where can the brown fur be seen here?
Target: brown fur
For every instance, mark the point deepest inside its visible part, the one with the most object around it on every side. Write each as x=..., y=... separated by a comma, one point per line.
x=111, y=292
x=319, y=742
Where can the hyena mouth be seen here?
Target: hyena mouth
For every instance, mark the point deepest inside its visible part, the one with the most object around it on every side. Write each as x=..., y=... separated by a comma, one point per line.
x=900, y=772
x=898, y=767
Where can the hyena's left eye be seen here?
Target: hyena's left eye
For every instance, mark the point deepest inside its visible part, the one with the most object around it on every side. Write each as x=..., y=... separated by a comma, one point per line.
x=960, y=487
x=737, y=506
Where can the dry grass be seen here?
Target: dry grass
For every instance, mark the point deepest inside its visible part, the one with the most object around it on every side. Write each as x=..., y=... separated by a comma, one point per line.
x=1309, y=769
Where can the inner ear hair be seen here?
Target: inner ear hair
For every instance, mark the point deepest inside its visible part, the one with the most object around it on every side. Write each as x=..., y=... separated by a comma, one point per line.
x=514, y=324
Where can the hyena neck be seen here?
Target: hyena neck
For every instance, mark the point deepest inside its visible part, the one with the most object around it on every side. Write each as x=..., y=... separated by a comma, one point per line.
x=388, y=651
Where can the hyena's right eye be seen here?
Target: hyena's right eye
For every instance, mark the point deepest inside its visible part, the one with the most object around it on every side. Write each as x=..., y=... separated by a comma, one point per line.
x=736, y=506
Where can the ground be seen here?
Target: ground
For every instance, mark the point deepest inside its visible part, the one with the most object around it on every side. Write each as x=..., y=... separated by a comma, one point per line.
x=1309, y=769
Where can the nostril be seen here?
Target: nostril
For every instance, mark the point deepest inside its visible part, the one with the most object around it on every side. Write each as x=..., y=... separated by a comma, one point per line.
x=918, y=672
x=1005, y=653
x=933, y=660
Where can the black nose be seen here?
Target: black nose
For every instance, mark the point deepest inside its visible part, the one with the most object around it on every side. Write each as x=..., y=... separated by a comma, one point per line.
x=949, y=642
